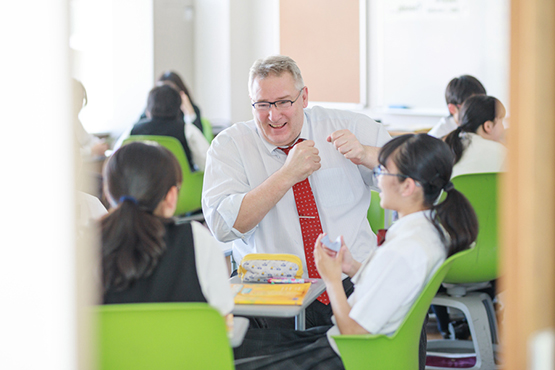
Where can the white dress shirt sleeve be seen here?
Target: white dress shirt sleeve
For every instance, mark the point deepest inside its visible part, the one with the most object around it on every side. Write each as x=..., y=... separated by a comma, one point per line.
x=370, y=133
x=225, y=186
x=391, y=281
x=211, y=270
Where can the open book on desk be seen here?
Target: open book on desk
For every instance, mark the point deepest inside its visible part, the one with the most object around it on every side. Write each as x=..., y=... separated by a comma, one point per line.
x=272, y=294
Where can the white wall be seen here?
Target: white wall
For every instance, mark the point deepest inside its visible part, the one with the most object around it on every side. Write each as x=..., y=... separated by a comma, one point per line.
x=112, y=43
x=174, y=39
x=229, y=36
x=248, y=29
x=37, y=268
x=212, y=67
x=145, y=37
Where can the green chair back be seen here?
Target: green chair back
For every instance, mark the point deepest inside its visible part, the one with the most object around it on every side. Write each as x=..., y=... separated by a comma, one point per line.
x=191, y=188
x=376, y=214
x=399, y=351
x=146, y=336
x=207, y=129
x=481, y=265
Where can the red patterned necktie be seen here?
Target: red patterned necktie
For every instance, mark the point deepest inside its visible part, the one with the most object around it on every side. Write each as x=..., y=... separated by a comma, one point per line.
x=381, y=236
x=310, y=224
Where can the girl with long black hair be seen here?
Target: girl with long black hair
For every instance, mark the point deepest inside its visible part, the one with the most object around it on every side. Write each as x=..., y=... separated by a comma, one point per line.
x=478, y=141
x=146, y=256
x=413, y=170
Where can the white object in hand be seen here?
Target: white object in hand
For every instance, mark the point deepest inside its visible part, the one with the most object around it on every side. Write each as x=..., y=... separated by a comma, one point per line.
x=334, y=246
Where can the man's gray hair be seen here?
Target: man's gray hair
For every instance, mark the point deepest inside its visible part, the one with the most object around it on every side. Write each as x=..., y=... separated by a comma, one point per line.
x=275, y=65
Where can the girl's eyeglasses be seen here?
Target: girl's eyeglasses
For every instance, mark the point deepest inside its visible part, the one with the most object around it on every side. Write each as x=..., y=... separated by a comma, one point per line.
x=382, y=171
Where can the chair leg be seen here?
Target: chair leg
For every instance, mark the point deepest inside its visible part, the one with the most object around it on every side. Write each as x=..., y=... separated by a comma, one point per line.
x=480, y=315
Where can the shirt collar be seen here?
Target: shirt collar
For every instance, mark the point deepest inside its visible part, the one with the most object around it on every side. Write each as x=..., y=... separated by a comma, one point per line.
x=273, y=148
x=409, y=219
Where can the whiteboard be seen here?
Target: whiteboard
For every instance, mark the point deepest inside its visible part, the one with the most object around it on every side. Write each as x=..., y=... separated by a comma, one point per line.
x=420, y=45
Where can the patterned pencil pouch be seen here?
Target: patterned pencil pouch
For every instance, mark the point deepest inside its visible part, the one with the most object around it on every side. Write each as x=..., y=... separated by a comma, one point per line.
x=259, y=267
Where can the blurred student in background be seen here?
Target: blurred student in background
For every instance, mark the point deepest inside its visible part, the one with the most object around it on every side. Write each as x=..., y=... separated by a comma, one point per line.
x=88, y=183
x=191, y=112
x=457, y=91
x=477, y=141
x=90, y=145
x=476, y=145
x=164, y=117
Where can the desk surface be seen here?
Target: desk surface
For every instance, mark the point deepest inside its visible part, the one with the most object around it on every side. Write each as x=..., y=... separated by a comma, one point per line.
x=264, y=310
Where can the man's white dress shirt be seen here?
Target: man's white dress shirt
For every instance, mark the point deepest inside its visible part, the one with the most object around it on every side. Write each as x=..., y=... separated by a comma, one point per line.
x=239, y=160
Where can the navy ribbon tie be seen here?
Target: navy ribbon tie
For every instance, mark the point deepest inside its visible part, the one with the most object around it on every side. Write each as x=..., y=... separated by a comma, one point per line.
x=129, y=198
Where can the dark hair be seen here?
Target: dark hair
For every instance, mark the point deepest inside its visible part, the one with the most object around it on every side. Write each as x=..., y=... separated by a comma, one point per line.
x=461, y=88
x=430, y=162
x=475, y=111
x=174, y=78
x=136, y=179
x=164, y=102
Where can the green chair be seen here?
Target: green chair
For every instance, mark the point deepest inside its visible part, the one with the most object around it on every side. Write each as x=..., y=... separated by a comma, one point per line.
x=189, y=199
x=146, y=336
x=376, y=214
x=207, y=129
x=477, y=267
x=399, y=351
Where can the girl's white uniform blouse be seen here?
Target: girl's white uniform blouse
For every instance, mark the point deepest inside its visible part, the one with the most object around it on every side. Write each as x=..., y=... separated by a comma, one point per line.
x=480, y=155
x=391, y=279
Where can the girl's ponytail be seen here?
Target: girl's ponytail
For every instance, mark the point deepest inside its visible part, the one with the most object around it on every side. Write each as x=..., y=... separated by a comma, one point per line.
x=453, y=139
x=137, y=178
x=133, y=241
x=475, y=111
x=456, y=216
x=429, y=161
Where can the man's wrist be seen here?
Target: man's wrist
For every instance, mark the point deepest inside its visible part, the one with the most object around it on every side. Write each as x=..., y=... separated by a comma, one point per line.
x=370, y=158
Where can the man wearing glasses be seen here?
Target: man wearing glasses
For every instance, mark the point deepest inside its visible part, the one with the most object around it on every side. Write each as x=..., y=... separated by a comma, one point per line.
x=248, y=194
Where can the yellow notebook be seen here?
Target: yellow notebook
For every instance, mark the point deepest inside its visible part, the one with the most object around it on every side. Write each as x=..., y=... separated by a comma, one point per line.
x=286, y=294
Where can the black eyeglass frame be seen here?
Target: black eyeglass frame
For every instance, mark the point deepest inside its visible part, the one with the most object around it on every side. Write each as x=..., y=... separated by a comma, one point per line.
x=279, y=104
x=380, y=170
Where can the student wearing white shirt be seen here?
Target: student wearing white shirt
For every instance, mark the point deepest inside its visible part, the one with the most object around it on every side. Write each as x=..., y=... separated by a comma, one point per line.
x=247, y=194
x=477, y=146
x=457, y=91
x=413, y=170
x=146, y=256
x=477, y=142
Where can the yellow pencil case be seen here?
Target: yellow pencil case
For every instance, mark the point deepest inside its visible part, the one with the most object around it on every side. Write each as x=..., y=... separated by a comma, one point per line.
x=259, y=267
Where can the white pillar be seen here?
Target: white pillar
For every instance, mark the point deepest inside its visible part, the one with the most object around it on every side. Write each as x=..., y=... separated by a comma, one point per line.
x=37, y=267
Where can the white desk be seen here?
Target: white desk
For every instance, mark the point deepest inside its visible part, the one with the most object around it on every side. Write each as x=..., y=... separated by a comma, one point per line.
x=263, y=310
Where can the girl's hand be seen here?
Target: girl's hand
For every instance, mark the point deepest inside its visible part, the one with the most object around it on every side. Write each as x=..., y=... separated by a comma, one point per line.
x=349, y=265
x=329, y=266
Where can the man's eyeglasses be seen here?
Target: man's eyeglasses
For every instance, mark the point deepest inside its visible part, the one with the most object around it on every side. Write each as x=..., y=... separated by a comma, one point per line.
x=382, y=171
x=280, y=104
